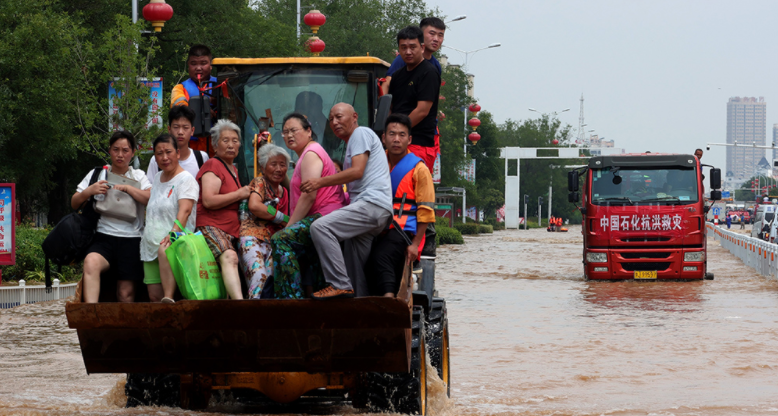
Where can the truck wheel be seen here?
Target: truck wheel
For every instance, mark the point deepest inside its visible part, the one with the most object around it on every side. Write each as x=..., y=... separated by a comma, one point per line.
x=437, y=334
x=402, y=392
x=152, y=390
x=195, y=391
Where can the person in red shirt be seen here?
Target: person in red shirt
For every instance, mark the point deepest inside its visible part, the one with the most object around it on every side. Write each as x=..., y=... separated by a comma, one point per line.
x=217, y=207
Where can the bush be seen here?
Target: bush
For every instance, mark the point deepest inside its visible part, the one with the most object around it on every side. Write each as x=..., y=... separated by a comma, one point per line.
x=441, y=222
x=498, y=226
x=485, y=229
x=466, y=229
x=447, y=235
x=30, y=260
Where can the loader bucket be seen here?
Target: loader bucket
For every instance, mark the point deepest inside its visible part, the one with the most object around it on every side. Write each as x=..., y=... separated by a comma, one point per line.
x=339, y=335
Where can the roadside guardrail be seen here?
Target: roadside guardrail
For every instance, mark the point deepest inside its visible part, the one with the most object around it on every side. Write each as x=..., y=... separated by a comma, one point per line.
x=11, y=296
x=756, y=253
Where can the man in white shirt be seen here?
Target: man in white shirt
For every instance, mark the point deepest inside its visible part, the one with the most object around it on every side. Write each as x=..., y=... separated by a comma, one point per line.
x=181, y=127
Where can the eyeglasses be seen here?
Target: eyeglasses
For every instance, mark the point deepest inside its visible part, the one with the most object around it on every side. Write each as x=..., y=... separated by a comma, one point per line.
x=290, y=131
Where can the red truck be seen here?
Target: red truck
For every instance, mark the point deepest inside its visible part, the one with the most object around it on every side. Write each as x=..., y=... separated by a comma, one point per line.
x=644, y=216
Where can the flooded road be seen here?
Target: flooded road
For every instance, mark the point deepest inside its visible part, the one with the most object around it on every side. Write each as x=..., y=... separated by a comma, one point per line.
x=528, y=337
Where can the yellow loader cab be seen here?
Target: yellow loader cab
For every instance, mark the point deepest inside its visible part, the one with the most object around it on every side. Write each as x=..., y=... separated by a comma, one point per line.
x=256, y=88
x=370, y=351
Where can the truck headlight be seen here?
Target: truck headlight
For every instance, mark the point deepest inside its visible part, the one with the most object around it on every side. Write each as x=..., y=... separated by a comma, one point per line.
x=694, y=256
x=596, y=257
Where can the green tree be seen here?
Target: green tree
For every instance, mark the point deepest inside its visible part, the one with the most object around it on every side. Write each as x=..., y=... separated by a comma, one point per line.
x=354, y=27
x=36, y=96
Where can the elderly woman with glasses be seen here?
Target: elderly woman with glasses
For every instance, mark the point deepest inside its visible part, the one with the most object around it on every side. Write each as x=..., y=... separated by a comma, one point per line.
x=296, y=266
x=217, y=206
x=269, y=208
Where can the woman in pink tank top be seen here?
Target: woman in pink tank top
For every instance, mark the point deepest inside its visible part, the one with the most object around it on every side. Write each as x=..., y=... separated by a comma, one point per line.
x=294, y=256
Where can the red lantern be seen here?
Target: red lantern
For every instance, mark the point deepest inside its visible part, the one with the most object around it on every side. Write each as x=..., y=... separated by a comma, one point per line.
x=555, y=142
x=474, y=137
x=157, y=12
x=474, y=108
x=315, y=45
x=315, y=20
x=474, y=123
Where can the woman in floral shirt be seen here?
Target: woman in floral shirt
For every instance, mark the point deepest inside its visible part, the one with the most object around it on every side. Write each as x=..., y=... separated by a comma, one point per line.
x=269, y=207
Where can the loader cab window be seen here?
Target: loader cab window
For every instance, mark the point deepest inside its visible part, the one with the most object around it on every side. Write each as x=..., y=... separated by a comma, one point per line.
x=644, y=186
x=286, y=90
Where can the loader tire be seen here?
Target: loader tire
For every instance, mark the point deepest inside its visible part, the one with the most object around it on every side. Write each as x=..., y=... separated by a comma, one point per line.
x=437, y=336
x=151, y=389
x=402, y=392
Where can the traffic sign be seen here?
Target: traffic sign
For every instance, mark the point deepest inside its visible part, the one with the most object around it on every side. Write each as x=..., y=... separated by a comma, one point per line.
x=716, y=211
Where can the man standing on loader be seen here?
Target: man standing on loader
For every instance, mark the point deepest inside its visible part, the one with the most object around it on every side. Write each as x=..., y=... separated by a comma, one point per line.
x=198, y=64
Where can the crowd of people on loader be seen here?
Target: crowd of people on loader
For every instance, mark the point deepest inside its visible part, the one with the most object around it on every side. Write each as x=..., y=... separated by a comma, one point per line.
x=338, y=229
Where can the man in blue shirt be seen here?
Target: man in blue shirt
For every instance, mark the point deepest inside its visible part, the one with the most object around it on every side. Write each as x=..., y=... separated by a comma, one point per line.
x=434, y=31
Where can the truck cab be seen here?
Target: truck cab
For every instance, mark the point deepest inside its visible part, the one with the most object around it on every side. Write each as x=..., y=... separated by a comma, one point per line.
x=643, y=216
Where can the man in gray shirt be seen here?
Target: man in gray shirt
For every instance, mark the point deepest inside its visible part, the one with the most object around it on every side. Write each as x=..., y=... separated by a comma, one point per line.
x=366, y=173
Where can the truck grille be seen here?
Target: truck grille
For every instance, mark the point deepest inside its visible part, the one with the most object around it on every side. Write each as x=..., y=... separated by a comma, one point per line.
x=644, y=239
x=646, y=255
x=658, y=266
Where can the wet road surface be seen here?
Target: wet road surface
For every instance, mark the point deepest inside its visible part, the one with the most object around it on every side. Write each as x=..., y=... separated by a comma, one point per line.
x=528, y=337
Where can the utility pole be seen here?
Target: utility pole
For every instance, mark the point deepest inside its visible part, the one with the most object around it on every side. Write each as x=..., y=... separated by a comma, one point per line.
x=540, y=210
x=581, y=124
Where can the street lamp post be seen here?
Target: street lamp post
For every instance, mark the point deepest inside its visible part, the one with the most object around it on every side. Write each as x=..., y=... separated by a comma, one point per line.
x=554, y=113
x=458, y=18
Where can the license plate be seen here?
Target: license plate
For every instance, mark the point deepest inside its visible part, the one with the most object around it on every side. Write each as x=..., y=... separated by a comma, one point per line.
x=645, y=275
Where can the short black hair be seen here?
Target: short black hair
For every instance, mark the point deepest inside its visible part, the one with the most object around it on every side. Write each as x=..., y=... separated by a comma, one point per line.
x=411, y=32
x=164, y=138
x=122, y=134
x=180, y=111
x=697, y=149
x=435, y=22
x=399, y=119
x=199, y=50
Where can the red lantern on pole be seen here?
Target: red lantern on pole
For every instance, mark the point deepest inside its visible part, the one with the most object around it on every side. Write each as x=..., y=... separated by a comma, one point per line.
x=157, y=12
x=474, y=123
x=474, y=108
x=315, y=19
x=555, y=142
x=474, y=137
x=315, y=45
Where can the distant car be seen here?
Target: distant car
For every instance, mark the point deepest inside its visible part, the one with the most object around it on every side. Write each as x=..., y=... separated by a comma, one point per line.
x=764, y=215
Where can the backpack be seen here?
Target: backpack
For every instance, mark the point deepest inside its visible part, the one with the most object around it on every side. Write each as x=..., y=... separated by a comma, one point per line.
x=199, y=157
x=68, y=241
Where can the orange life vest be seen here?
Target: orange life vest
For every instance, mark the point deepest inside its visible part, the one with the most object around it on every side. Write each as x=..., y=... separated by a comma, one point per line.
x=404, y=192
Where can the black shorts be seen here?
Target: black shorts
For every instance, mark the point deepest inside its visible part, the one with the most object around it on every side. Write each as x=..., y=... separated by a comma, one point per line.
x=122, y=254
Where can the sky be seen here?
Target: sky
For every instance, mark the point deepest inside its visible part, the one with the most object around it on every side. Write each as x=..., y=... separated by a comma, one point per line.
x=655, y=75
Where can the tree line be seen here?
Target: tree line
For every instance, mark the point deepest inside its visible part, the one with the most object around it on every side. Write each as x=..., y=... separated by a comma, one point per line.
x=58, y=56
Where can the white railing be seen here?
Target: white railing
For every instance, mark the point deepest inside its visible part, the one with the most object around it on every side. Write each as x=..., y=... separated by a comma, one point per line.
x=11, y=296
x=756, y=253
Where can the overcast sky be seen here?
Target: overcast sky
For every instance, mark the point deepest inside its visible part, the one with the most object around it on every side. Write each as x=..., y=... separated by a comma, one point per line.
x=656, y=75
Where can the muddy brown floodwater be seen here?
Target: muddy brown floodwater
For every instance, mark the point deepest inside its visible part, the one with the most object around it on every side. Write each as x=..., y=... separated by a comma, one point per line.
x=528, y=337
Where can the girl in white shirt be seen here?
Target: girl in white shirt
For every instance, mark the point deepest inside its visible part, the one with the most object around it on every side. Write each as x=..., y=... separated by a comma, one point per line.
x=173, y=197
x=115, y=249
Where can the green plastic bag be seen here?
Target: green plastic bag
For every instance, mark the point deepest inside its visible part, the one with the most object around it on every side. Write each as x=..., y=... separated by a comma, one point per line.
x=196, y=271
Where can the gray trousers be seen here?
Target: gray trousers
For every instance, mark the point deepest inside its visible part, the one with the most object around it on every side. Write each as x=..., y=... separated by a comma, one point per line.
x=355, y=225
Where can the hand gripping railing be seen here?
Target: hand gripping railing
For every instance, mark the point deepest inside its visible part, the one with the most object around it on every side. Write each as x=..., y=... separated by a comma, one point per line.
x=756, y=253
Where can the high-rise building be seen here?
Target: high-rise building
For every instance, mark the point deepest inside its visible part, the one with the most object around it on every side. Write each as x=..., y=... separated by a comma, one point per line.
x=746, y=125
x=775, y=141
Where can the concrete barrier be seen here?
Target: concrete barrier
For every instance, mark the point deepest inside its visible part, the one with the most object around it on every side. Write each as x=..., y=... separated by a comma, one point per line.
x=756, y=253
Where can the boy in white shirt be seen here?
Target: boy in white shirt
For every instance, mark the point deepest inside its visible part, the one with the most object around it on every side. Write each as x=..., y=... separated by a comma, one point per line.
x=181, y=126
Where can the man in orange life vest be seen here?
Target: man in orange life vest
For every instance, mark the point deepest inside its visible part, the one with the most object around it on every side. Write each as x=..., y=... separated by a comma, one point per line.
x=199, y=66
x=413, y=197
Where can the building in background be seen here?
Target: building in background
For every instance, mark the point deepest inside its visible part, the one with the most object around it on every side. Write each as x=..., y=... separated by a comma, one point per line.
x=596, y=142
x=746, y=125
x=775, y=140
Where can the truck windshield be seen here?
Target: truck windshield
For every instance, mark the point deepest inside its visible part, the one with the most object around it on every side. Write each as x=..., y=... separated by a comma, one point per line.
x=287, y=90
x=644, y=186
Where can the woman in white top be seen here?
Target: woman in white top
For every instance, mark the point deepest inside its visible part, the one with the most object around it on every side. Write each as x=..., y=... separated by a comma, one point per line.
x=172, y=198
x=115, y=249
